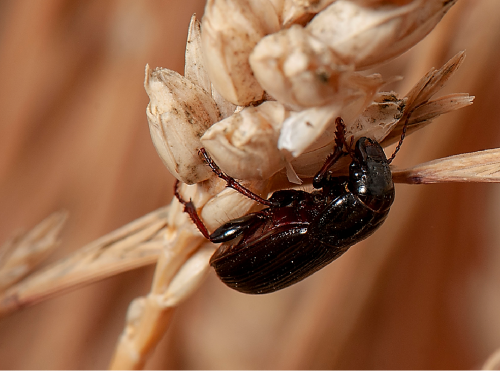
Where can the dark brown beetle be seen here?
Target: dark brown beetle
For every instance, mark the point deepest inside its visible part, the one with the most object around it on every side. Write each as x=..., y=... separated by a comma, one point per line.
x=300, y=232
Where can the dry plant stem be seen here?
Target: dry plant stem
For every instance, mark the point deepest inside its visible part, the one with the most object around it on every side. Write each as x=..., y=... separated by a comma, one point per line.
x=175, y=278
x=482, y=166
x=133, y=354
x=134, y=245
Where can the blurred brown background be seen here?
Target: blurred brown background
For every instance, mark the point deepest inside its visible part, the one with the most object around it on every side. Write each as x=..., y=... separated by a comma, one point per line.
x=423, y=292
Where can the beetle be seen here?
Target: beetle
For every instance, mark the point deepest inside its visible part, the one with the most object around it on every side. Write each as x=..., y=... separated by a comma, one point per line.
x=299, y=232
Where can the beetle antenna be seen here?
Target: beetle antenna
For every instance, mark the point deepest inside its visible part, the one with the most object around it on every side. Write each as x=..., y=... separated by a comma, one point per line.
x=403, y=134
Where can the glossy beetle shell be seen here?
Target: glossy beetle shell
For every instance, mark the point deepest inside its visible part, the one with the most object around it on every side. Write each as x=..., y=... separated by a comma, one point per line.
x=281, y=245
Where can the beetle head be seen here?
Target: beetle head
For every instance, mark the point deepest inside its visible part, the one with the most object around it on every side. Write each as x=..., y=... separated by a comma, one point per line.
x=370, y=176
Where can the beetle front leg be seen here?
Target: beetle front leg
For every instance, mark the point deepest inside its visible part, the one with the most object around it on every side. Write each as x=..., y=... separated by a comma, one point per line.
x=340, y=142
x=231, y=182
x=191, y=210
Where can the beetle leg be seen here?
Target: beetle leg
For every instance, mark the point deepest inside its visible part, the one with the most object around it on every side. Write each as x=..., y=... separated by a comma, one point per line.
x=340, y=140
x=231, y=182
x=340, y=133
x=191, y=210
x=338, y=152
x=323, y=172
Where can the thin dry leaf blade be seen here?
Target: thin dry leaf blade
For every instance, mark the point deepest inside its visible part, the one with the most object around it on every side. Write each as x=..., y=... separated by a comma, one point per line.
x=482, y=166
x=22, y=253
x=134, y=245
x=493, y=361
x=433, y=81
x=419, y=111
